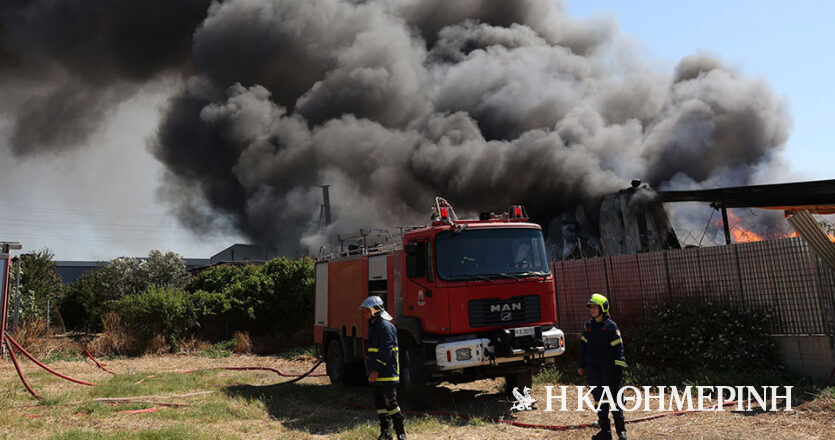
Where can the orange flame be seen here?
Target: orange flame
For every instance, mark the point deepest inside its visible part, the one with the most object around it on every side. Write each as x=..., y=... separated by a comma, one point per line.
x=740, y=234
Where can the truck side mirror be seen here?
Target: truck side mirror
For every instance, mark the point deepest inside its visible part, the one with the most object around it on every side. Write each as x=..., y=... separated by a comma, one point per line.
x=416, y=260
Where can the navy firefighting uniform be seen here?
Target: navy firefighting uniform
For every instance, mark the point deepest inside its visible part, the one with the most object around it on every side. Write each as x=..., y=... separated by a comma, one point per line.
x=601, y=356
x=382, y=358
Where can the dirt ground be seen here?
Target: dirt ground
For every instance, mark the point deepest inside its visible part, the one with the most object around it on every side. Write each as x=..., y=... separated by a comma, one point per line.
x=256, y=405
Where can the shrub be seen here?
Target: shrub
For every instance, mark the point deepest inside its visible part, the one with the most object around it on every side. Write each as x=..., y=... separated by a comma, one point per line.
x=86, y=299
x=242, y=343
x=688, y=336
x=167, y=311
x=273, y=298
x=82, y=306
x=39, y=284
x=116, y=338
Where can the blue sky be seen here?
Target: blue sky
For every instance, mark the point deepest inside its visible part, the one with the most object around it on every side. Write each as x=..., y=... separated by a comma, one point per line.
x=790, y=44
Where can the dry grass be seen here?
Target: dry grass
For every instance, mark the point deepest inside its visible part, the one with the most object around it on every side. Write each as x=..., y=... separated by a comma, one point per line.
x=243, y=344
x=193, y=345
x=116, y=339
x=255, y=405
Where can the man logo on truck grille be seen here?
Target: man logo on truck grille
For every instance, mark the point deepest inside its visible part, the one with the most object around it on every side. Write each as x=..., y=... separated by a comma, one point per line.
x=507, y=316
x=505, y=307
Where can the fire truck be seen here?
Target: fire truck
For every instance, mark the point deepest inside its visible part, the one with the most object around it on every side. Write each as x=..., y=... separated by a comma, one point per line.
x=471, y=299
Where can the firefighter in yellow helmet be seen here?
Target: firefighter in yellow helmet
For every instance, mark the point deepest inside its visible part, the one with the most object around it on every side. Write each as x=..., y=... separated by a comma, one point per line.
x=603, y=362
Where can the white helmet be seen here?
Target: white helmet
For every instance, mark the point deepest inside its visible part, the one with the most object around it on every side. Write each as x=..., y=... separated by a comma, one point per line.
x=375, y=304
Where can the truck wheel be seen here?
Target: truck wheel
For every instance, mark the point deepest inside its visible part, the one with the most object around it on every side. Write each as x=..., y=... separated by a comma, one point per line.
x=335, y=362
x=413, y=378
x=518, y=380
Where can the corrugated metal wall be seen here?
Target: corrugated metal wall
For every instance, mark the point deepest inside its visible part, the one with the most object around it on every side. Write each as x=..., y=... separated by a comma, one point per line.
x=781, y=276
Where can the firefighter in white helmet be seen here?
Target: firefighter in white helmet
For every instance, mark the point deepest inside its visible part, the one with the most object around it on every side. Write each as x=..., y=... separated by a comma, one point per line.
x=383, y=366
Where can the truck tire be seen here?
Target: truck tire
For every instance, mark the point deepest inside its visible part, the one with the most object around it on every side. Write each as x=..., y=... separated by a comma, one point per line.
x=413, y=378
x=335, y=362
x=518, y=380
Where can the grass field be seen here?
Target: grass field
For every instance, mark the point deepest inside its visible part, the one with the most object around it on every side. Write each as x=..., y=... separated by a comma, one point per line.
x=220, y=404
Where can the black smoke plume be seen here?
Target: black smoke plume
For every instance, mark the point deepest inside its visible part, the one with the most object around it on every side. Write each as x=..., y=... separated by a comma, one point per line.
x=389, y=102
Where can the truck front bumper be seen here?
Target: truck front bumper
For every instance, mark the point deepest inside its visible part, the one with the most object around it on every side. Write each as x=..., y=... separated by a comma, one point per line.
x=501, y=349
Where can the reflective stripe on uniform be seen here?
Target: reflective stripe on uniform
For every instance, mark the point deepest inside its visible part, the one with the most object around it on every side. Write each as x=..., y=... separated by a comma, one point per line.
x=394, y=411
x=381, y=362
x=620, y=363
x=382, y=411
x=616, y=342
x=583, y=338
x=388, y=379
x=373, y=350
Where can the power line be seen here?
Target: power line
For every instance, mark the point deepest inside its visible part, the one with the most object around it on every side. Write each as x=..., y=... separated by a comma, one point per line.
x=4, y=206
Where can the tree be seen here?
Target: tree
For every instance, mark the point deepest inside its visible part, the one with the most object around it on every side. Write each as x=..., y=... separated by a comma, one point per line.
x=89, y=296
x=40, y=284
x=163, y=270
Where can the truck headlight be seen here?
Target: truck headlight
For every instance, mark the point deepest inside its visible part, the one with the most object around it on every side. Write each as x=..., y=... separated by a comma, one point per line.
x=553, y=338
x=463, y=354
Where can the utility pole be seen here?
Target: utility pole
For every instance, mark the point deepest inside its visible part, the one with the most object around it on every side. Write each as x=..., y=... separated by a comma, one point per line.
x=17, y=295
x=5, y=248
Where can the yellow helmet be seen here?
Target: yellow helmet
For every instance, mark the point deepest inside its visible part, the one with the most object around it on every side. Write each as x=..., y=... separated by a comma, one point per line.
x=601, y=301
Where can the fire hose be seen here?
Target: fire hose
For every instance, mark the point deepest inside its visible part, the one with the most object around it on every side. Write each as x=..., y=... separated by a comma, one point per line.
x=297, y=377
x=501, y=420
x=274, y=370
x=98, y=364
x=38, y=363
x=11, y=343
x=20, y=372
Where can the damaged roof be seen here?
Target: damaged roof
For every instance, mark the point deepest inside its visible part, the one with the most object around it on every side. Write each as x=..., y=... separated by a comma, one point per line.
x=817, y=196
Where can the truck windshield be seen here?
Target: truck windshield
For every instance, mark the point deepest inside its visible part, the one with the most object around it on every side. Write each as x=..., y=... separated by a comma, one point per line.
x=491, y=253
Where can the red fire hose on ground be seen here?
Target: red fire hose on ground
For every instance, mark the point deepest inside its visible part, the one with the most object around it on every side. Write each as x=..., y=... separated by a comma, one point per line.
x=98, y=364
x=10, y=342
x=500, y=420
x=38, y=363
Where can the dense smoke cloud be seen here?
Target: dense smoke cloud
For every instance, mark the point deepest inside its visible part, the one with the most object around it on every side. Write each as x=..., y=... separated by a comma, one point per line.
x=393, y=102
x=65, y=64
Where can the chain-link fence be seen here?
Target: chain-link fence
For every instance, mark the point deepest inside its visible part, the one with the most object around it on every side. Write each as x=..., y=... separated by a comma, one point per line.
x=781, y=277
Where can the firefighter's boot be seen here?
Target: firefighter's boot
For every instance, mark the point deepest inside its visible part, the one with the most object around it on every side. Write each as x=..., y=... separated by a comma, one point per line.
x=397, y=418
x=620, y=428
x=385, y=428
x=605, y=429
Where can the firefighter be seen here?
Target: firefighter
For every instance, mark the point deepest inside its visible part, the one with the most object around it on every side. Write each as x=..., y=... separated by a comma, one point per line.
x=603, y=362
x=383, y=366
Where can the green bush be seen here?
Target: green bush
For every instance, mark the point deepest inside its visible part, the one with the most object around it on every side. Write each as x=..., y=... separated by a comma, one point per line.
x=273, y=298
x=167, y=311
x=83, y=304
x=688, y=336
x=40, y=284
x=86, y=299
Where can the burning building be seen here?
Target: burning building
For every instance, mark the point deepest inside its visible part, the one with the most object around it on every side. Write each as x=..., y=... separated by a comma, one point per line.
x=634, y=220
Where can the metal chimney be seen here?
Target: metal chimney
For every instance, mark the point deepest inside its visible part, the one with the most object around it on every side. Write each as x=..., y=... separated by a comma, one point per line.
x=326, y=202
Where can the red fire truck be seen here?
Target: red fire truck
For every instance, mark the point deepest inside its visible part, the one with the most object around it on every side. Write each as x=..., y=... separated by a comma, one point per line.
x=471, y=299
